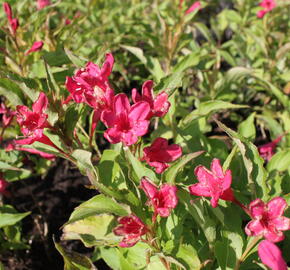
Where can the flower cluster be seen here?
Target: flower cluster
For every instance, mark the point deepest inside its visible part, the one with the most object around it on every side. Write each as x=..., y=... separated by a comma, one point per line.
x=125, y=122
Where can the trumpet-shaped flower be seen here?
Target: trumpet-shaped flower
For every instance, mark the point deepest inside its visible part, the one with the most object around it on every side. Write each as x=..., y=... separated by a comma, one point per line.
x=163, y=199
x=91, y=85
x=36, y=46
x=271, y=255
x=267, y=150
x=131, y=228
x=215, y=183
x=125, y=123
x=33, y=122
x=159, y=154
x=159, y=105
x=267, y=6
x=268, y=220
x=42, y=4
x=196, y=5
x=13, y=22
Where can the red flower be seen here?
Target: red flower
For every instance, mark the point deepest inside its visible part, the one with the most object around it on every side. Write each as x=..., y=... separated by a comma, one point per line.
x=33, y=122
x=266, y=151
x=163, y=200
x=7, y=115
x=271, y=255
x=37, y=46
x=42, y=4
x=125, y=123
x=3, y=184
x=159, y=105
x=12, y=21
x=267, y=6
x=196, y=5
x=268, y=220
x=131, y=228
x=215, y=183
x=159, y=154
x=91, y=85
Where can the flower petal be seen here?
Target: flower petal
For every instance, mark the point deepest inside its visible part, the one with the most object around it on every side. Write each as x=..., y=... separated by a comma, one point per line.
x=108, y=65
x=139, y=111
x=216, y=168
x=40, y=104
x=281, y=223
x=257, y=208
x=276, y=207
x=147, y=90
x=271, y=255
x=121, y=104
x=136, y=97
x=254, y=228
x=276, y=236
x=148, y=187
x=199, y=190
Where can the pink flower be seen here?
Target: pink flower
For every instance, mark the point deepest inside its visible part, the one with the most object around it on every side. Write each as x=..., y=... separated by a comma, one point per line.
x=162, y=200
x=159, y=105
x=33, y=122
x=215, y=183
x=268, y=220
x=268, y=5
x=261, y=13
x=3, y=184
x=271, y=255
x=131, y=228
x=13, y=22
x=7, y=115
x=125, y=123
x=159, y=154
x=37, y=46
x=196, y=5
x=91, y=85
x=42, y=4
x=266, y=151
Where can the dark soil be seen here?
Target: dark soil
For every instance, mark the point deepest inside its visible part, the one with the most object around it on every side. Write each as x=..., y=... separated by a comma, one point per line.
x=50, y=200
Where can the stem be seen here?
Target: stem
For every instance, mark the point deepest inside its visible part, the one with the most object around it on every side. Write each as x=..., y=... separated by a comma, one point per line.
x=242, y=206
x=246, y=252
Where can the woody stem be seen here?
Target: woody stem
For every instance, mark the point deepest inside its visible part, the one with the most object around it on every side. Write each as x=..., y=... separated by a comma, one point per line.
x=246, y=252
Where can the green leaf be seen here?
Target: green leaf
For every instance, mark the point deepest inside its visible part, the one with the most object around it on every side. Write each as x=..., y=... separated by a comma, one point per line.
x=280, y=161
x=202, y=219
x=137, y=52
x=74, y=260
x=256, y=172
x=97, y=205
x=56, y=58
x=188, y=254
x=92, y=231
x=171, y=173
x=72, y=116
x=79, y=63
x=188, y=61
x=11, y=91
x=207, y=107
x=247, y=128
x=139, y=169
x=8, y=216
x=170, y=83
